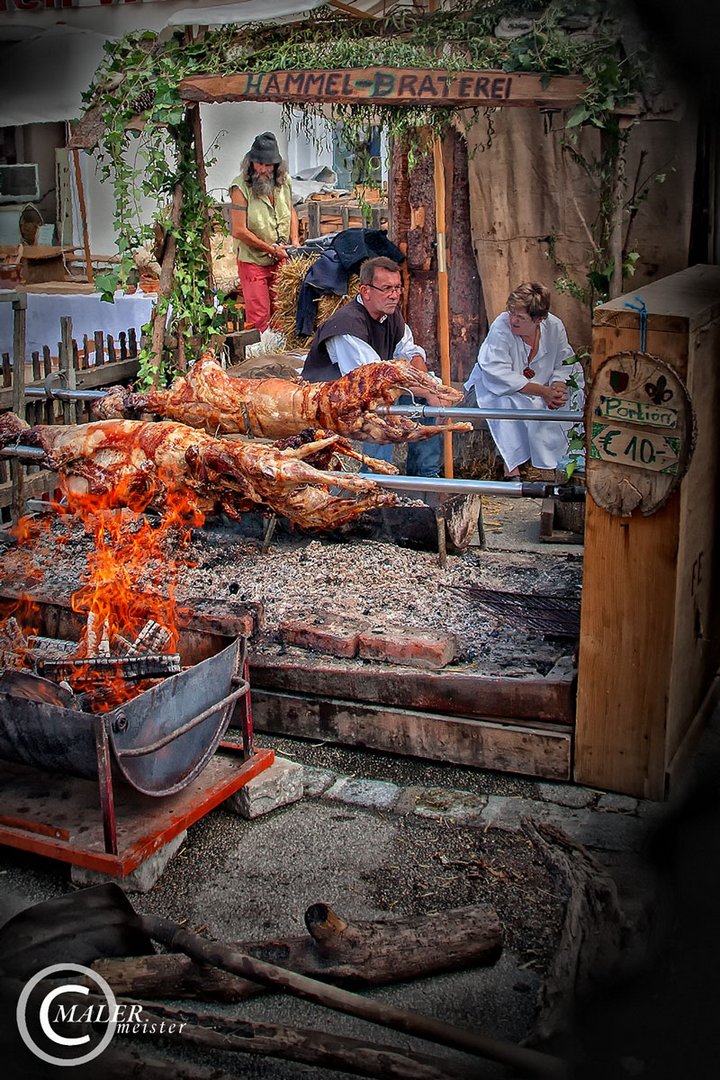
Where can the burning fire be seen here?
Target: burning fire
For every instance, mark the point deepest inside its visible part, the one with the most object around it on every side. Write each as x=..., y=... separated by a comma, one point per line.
x=127, y=596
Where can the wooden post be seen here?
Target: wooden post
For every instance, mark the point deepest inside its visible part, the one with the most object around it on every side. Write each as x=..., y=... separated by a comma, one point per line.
x=650, y=628
x=83, y=214
x=313, y=219
x=17, y=473
x=65, y=365
x=443, y=291
x=196, y=124
x=167, y=270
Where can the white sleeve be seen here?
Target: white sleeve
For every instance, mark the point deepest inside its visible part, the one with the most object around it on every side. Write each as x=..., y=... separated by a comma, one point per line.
x=496, y=361
x=349, y=352
x=406, y=347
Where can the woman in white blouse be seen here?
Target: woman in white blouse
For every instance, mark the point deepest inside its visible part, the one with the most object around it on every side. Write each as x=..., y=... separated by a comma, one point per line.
x=522, y=364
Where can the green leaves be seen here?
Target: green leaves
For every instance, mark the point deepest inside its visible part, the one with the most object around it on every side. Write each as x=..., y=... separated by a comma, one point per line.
x=107, y=284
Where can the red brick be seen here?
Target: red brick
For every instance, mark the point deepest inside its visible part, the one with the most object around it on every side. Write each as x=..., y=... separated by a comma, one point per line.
x=408, y=645
x=325, y=633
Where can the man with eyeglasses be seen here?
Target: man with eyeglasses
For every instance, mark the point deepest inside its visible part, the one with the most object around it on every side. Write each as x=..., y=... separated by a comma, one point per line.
x=363, y=331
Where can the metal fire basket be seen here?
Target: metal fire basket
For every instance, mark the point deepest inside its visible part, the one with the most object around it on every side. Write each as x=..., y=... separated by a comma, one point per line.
x=158, y=742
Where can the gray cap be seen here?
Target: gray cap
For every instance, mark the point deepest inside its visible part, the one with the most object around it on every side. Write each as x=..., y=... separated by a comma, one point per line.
x=265, y=150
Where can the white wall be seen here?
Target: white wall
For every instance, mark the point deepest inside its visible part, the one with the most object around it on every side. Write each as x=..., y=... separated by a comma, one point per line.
x=228, y=131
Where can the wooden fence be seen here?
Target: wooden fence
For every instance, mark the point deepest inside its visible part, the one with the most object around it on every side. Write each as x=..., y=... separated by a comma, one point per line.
x=97, y=362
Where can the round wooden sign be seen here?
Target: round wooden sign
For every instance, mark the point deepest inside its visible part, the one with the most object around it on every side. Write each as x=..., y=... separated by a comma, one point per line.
x=640, y=433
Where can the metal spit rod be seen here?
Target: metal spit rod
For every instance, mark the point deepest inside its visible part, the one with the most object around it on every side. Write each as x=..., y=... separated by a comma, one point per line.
x=63, y=395
x=23, y=453
x=431, y=411
x=508, y=488
x=424, y=412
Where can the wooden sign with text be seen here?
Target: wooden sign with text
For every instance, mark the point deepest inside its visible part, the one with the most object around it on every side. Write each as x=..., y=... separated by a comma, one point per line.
x=640, y=434
x=388, y=86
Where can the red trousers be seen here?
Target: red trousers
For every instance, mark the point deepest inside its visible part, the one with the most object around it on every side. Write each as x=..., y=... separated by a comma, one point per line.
x=258, y=285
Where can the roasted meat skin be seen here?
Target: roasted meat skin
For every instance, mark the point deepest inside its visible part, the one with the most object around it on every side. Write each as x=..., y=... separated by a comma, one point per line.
x=210, y=399
x=140, y=463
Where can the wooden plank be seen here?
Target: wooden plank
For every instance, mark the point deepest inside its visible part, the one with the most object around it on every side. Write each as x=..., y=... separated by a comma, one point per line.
x=696, y=654
x=389, y=86
x=549, y=700
x=504, y=747
x=677, y=304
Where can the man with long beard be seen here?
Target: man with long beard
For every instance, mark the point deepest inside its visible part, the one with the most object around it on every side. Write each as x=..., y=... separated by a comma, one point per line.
x=263, y=224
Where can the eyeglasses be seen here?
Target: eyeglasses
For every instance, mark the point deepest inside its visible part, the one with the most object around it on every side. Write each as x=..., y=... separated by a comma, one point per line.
x=386, y=290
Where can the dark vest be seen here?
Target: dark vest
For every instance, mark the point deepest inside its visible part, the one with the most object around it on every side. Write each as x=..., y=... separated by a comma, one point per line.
x=353, y=318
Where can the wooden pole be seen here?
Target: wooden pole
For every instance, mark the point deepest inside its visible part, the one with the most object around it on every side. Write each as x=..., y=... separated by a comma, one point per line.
x=83, y=215
x=66, y=367
x=17, y=469
x=196, y=123
x=167, y=270
x=443, y=290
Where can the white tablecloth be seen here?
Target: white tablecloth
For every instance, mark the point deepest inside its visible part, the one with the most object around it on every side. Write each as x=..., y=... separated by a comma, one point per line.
x=87, y=311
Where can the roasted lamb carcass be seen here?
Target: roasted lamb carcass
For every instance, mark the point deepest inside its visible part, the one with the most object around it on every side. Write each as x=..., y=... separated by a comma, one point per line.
x=142, y=464
x=210, y=399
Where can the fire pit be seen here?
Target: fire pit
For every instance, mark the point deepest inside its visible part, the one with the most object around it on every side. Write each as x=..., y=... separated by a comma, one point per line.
x=158, y=742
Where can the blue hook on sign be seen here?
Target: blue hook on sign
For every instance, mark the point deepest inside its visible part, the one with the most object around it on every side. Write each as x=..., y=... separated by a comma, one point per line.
x=640, y=307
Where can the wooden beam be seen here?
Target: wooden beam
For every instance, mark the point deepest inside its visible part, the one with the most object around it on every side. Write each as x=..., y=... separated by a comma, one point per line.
x=389, y=86
x=531, y=701
x=528, y=751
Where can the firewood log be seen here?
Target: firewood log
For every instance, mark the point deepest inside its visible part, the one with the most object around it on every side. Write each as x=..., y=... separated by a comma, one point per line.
x=368, y=953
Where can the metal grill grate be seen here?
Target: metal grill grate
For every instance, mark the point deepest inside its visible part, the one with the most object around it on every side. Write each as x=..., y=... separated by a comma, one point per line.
x=554, y=616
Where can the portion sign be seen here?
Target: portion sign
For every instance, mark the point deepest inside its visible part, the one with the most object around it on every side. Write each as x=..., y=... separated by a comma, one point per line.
x=640, y=433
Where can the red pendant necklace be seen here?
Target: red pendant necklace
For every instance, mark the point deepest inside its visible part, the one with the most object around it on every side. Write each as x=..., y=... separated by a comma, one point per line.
x=529, y=372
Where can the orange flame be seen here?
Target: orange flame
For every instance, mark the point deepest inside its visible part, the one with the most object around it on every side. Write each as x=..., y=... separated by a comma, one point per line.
x=130, y=579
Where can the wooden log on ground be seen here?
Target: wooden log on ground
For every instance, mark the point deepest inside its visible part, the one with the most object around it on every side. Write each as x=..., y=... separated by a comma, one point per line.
x=368, y=953
x=316, y=1048
x=591, y=940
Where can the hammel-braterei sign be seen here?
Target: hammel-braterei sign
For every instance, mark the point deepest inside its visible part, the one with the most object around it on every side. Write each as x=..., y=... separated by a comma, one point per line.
x=388, y=86
x=640, y=433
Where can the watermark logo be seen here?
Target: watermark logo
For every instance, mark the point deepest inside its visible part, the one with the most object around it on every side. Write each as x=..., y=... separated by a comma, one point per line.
x=47, y=1011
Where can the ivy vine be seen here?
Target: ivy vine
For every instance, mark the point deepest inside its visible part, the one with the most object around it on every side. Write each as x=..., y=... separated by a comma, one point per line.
x=148, y=145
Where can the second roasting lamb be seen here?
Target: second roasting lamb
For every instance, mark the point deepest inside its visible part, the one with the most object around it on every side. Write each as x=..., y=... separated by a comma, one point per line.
x=210, y=399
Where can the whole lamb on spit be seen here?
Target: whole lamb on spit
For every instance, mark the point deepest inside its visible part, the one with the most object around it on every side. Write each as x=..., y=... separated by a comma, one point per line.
x=145, y=463
x=210, y=399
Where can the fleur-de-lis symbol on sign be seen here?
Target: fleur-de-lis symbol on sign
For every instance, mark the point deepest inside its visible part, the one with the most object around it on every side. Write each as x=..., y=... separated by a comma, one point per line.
x=659, y=391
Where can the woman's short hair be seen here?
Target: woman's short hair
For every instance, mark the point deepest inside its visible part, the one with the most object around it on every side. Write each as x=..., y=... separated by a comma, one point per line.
x=533, y=296
x=379, y=262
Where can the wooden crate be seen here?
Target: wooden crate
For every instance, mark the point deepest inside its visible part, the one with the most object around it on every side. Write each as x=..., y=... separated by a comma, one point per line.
x=649, y=642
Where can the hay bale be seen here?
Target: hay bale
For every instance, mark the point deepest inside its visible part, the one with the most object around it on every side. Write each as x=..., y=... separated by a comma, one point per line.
x=287, y=289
